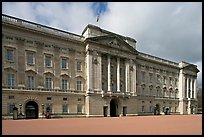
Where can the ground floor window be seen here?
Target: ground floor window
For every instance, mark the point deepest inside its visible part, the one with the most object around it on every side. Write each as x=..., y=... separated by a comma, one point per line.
x=11, y=106
x=79, y=108
x=65, y=108
x=142, y=108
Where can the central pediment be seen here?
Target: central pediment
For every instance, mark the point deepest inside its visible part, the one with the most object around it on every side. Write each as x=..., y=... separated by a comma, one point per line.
x=112, y=41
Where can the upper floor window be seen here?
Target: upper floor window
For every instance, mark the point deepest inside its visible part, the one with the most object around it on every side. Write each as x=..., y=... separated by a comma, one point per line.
x=48, y=61
x=78, y=66
x=170, y=80
x=143, y=76
x=158, y=79
x=64, y=63
x=30, y=82
x=79, y=85
x=176, y=82
x=64, y=84
x=10, y=54
x=11, y=80
x=48, y=83
x=164, y=79
x=150, y=77
x=30, y=58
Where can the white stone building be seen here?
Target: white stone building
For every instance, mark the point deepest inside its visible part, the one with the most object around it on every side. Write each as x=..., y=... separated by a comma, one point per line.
x=97, y=73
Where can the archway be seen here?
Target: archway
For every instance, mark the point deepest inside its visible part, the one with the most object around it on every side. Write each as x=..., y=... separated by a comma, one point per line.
x=31, y=110
x=114, y=108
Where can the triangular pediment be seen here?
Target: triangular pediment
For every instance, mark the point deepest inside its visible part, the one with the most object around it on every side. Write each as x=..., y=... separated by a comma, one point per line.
x=113, y=41
x=192, y=67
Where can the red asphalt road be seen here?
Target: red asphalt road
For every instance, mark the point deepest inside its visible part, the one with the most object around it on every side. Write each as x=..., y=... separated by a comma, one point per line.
x=134, y=125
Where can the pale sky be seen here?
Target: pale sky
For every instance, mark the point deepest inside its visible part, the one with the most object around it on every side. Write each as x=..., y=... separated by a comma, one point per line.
x=169, y=30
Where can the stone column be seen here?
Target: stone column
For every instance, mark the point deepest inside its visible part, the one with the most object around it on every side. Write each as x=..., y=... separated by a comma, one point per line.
x=134, y=79
x=109, y=74
x=181, y=85
x=127, y=76
x=89, y=72
x=187, y=88
x=195, y=88
x=118, y=74
x=99, y=73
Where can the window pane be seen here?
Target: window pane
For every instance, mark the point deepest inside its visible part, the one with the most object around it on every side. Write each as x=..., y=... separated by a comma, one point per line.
x=30, y=58
x=64, y=84
x=64, y=63
x=78, y=65
x=64, y=108
x=48, y=83
x=79, y=108
x=11, y=108
x=78, y=85
x=10, y=55
x=31, y=82
x=10, y=80
x=48, y=61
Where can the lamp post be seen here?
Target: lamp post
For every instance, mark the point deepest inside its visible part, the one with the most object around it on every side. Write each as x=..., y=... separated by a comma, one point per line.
x=20, y=106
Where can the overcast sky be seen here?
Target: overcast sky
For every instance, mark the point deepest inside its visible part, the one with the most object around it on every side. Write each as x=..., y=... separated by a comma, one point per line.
x=170, y=30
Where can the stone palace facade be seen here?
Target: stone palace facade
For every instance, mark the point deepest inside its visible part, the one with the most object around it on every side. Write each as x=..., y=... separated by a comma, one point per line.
x=97, y=73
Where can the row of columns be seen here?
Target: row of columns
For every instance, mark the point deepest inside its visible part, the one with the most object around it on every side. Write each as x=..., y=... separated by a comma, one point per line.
x=191, y=87
x=127, y=73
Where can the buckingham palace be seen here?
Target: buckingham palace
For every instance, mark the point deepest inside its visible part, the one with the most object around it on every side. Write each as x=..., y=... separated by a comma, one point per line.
x=97, y=73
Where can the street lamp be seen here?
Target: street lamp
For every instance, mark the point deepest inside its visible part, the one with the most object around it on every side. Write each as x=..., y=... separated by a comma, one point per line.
x=43, y=109
x=20, y=105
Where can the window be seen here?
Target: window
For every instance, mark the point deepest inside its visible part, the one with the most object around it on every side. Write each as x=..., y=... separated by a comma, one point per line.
x=11, y=80
x=79, y=85
x=158, y=79
x=64, y=84
x=10, y=55
x=170, y=81
x=64, y=63
x=49, y=98
x=11, y=97
x=11, y=106
x=30, y=58
x=48, y=83
x=64, y=99
x=78, y=66
x=151, y=108
x=176, y=82
x=30, y=82
x=48, y=61
x=79, y=108
x=143, y=76
x=65, y=108
x=142, y=108
x=150, y=77
x=48, y=107
x=164, y=79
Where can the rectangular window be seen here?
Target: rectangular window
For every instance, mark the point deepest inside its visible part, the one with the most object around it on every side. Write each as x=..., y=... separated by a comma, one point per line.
x=164, y=79
x=78, y=66
x=48, y=61
x=143, y=76
x=158, y=79
x=64, y=84
x=11, y=106
x=176, y=82
x=150, y=77
x=64, y=63
x=64, y=99
x=79, y=85
x=170, y=81
x=10, y=55
x=11, y=97
x=79, y=108
x=30, y=58
x=31, y=82
x=49, y=98
x=142, y=108
x=65, y=108
x=48, y=83
x=11, y=80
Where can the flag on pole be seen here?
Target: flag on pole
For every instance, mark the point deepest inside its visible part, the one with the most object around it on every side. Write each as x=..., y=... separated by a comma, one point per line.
x=97, y=18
